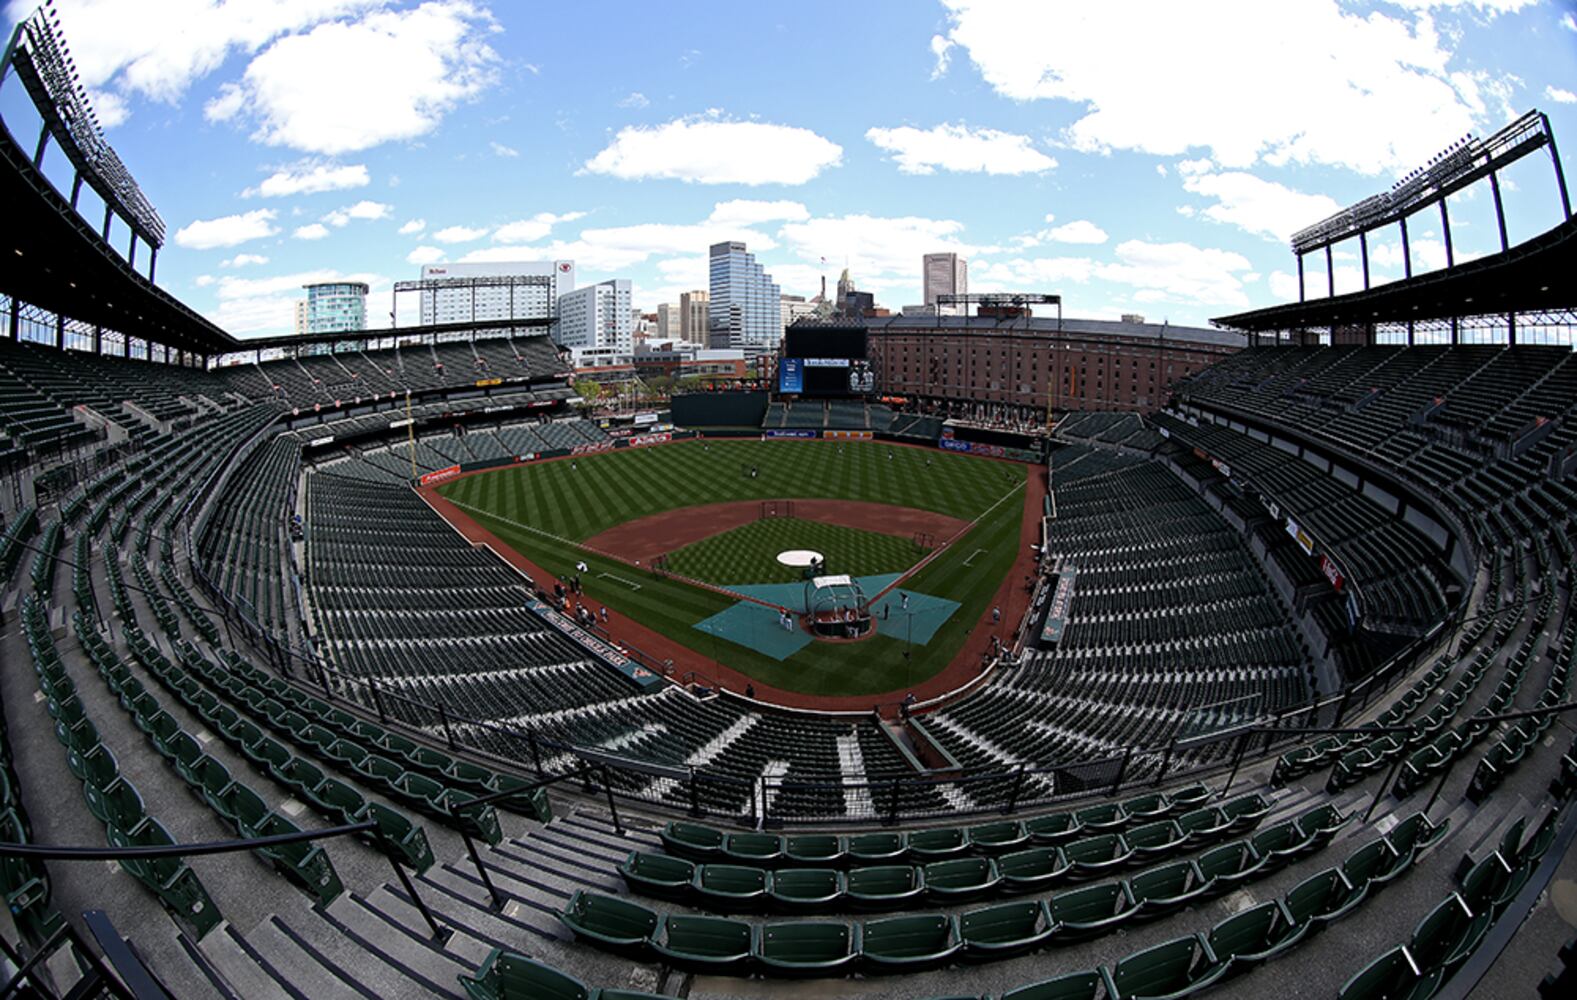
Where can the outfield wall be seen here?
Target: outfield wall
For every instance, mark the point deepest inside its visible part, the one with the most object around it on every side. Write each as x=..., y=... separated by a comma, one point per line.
x=719, y=409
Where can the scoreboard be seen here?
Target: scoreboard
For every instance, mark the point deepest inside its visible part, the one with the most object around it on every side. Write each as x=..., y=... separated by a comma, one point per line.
x=825, y=361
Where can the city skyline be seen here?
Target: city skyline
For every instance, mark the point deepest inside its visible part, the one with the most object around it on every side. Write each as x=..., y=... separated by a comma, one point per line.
x=459, y=131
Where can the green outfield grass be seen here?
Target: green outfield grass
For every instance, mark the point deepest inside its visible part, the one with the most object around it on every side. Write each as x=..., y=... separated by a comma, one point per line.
x=541, y=509
x=748, y=554
x=580, y=497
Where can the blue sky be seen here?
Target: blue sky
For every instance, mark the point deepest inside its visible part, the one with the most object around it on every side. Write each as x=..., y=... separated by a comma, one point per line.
x=1146, y=157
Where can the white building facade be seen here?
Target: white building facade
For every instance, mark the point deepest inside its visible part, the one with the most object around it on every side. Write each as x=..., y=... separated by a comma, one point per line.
x=596, y=316
x=471, y=292
x=944, y=273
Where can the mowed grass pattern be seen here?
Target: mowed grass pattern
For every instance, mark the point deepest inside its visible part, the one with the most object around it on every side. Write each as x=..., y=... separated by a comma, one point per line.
x=648, y=480
x=577, y=498
x=748, y=554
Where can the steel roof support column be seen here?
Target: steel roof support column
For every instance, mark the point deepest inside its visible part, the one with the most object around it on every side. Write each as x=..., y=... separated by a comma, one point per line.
x=153, y=261
x=1407, y=264
x=1445, y=227
x=1300, y=278
x=104, y=233
x=60, y=331
x=1511, y=328
x=1363, y=250
x=14, y=322
x=76, y=188
x=1330, y=273
x=131, y=251
x=1500, y=210
x=1560, y=175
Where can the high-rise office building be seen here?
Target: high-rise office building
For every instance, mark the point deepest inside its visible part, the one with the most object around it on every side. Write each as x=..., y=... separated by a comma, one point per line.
x=745, y=309
x=693, y=317
x=668, y=321
x=336, y=307
x=475, y=291
x=597, y=316
x=944, y=273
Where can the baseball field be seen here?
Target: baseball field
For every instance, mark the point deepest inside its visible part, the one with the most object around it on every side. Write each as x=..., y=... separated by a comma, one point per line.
x=675, y=536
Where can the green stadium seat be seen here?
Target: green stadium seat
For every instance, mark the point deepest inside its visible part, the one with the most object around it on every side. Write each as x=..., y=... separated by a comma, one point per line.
x=1447, y=936
x=1252, y=936
x=1054, y=828
x=1490, y=884
x=997, y=838
x=805, y=890
x=753, y=848
x=506, y=975
x=380, y=770
x=1201, y=826
x=908, y=944
x=935, y=845
x=731, y=888
x=243, y=806
x=807, y=948
x=1154, y=841
x=1147, y=808
x=534, y=803
x=1373, y=866
x=1092, y=910
x=616, y=924
x=1192, y=797
x=710, y=945
x=474, y=778
x=876, y=848
x=658, y=875
x=1246, y=812
x=1322, y=822
x=817, y=850
x=1034, y=869
x=118, y=805
x=1175, y=969
x=304, y=864
x=693, y=841
x=1005, y=929
x=961, y=879
x=1167, y=889
x=1101, y=818
x=1073, y=986
x=479, y=819
x=1322, y=899
x=1229, y=866
x=406, y=840
x=1392, y=976
x=1097, y=855
x=171, y=879
x=1415, y=835
x=884, y=887
x=1281, y=844
x=94, y=766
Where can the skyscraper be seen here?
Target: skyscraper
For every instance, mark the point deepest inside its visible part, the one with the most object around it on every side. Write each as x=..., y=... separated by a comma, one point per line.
x=668, y=321
x=692, y=317
x=745, y=310
x=944, y=273
x=336, y=307
x=597, y=316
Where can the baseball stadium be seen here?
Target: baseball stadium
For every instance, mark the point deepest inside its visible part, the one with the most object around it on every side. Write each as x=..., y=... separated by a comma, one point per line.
x=974, y=652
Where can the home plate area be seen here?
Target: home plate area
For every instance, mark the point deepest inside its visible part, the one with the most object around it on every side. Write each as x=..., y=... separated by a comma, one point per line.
x=760, y=626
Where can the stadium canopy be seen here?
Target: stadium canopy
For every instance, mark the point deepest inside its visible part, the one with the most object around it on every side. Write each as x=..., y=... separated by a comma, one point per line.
x=1530, y=277
x=55, y=259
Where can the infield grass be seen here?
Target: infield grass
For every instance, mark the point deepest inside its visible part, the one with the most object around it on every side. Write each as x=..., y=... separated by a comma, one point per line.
x=542, y=518
x=748, y=554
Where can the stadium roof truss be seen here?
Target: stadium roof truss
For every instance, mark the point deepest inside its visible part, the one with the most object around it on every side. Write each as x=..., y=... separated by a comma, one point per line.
x=1530, y=281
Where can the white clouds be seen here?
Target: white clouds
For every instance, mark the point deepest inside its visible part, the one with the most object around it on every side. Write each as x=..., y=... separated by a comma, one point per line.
x=1077, y=231
x=424, y=255
x=310, y=178
x=208, y=234
x=709, y=150
x=460, y=234
x=1257, y=205
x=1569, y=21
x=635, y=99
x=157, y=50
x=109, y=108
x=532, y=229
x=311, y=231
x=1294, y=81
x=873, y=245
x=366, y=210
x=392, y=74
x=960, y=149
x=501, y=150
x=744, y=212
x=1560, y=95
x=1179, y=273
x=942, y=49
x=244, y=260
x=413, y=227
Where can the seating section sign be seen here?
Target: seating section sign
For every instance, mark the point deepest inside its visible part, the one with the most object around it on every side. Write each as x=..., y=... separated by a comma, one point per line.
x=1057, y=611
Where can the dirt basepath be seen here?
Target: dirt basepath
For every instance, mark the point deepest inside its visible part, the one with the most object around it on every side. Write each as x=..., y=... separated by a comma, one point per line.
x=646, y=538
x=684, y=665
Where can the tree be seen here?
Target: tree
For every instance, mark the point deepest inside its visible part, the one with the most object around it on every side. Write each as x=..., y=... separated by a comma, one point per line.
x=589, y=390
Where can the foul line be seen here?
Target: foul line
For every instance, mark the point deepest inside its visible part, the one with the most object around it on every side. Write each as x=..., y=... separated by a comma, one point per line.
x=945, y=546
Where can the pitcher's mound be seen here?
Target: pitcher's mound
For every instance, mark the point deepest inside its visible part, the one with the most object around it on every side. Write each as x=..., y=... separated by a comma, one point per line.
x=799, y=558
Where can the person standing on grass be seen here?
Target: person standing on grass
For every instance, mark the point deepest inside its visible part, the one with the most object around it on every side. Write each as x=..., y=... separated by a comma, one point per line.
x=996, y=615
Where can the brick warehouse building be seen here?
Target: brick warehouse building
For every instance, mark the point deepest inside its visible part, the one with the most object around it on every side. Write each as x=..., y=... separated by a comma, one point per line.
x=1023, y=365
